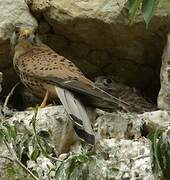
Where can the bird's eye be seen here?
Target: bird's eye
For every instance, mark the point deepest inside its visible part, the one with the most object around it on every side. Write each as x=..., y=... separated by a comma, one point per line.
x=16, y=31
x=36, y=31
x=108, y=81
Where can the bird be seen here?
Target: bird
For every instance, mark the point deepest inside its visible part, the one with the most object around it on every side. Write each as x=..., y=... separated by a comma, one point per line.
x=50, y=76
x=138, y=103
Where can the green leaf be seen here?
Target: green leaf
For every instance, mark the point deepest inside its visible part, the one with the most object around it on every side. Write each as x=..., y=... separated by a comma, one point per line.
x=133, y=5
x=3, y=133
x=35, y=154
x=35, y=173
x=34, y=118
x=76, y=167
x=163, y=149
x=11, y=172
x=154, y=136
x=47, y=149
x=34, y=142
x=11, y=130
x=6, y=125
x=15, y=172
x=148, y=7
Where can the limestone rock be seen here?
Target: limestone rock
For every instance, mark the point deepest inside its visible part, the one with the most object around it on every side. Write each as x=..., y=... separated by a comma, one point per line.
x=119, y=125
x=156, y=120
x=131, y=125
x=53, y=120
x=12, y=13
x=114, y=159
x=164, y=93
x=8, y=168
x=38, y=5
x=1, y=80
x=42, y=166
x=121, y=152
x=125, y=159
x=4, y=163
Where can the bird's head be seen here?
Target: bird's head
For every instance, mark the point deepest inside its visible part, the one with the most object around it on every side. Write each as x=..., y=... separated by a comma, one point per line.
x=24, y=34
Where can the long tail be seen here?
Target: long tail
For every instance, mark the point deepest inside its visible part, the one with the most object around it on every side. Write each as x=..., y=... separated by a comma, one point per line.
x=78, y=114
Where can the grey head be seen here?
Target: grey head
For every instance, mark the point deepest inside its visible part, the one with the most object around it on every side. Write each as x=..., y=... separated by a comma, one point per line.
x=24, y=33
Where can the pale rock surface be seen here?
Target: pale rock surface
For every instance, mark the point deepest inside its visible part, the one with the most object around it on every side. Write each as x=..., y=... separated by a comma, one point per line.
x=13, y=13
x=119, y=125
x=42, y=166
x=130, y=125
x=114, y=159
x=53, y=120
x=121, y=152
x=164, y=93
x=1, y=80
x=4, y=163
x=125, y=159
x=156, y=120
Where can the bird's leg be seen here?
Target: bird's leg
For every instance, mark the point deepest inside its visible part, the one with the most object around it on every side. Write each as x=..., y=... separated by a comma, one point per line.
x=43, y=104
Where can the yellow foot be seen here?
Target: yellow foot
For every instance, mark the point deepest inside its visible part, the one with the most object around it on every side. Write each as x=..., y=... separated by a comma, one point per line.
x=33, y=108
x=44, y=102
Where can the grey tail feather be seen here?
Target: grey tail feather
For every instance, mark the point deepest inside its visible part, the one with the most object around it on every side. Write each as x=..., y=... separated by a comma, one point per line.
x=78, y=114
x=89, y=138
x=89, y=90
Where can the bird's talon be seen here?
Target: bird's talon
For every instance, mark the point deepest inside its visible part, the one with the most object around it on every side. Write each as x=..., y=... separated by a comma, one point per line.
x=33, y=108
x=44, y=102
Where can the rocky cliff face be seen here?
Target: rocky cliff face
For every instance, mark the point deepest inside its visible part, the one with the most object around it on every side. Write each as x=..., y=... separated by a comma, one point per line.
x=96, y=35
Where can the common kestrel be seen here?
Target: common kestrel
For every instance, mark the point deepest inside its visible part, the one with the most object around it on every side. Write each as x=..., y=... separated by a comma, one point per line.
x=136, y=102
x=49, y=75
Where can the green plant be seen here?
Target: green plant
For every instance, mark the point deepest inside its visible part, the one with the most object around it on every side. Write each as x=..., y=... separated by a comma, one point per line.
x=39, y=141
x=76, y=166
x=24, y=146
x=147, y=7
x=8, y=136
x=161, y=152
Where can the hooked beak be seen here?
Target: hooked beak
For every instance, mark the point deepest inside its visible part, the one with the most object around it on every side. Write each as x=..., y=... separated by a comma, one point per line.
x=24, y=35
